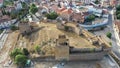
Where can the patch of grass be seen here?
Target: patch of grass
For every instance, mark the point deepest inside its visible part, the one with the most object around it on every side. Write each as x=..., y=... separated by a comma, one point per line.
x=110, y=43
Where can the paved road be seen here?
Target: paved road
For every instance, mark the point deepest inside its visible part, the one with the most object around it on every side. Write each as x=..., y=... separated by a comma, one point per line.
x=110, y=28
x=105, y=63
x=3, y=38
x=115, y=44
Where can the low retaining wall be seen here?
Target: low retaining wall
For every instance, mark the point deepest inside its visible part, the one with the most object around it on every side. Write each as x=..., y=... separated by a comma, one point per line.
x=95, y=26
x=87, y=56
x=81, y=50
x=49, y=21
x=75, y=57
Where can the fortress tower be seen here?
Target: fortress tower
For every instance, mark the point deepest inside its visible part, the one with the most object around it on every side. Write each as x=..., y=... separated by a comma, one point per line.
x=62, y=48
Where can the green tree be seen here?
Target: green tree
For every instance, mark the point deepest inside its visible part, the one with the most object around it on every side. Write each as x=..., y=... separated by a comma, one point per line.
x=21, y=60
x=15, y=52
x=24, y=5
x=109, y=35
x=118, y=16
x=37, y=49
x=33, y=9
x=13, y=15
x=96, y=2
x=118, y=8
x=33, y=5
x=13, y=27
x=117, y=12
x=52, y=15
x=25, y=51
x=90, y=18
x=110, y=43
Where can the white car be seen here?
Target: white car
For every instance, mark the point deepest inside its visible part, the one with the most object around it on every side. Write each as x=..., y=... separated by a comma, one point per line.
x=10, y=62
x=62, y=64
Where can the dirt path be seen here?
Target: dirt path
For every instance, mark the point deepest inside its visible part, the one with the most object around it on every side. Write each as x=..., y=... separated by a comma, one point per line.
x=9, y=45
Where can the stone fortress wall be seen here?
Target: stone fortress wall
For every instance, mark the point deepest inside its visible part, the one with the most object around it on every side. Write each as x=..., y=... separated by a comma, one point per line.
x=97, y=53
x=74, y=54
x=87, y=56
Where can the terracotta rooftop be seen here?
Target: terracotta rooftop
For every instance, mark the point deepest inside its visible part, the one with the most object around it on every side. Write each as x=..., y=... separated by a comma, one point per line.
x=5, y=18
x=117, y=22
x=78, y=3
x=1, y=1
x=10, y=8
x=65, y=11
x=54, y=7
x=61, y=9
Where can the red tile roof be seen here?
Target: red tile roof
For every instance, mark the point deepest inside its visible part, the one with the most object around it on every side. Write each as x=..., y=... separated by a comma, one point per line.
x=1, y=1
x=61, y=9
x=117, y=23
x=5, y=18
x=54, y=7
x=64, y=11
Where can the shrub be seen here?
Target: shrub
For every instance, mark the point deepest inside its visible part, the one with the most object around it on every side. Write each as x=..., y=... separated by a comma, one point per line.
x=25, y=51
x=109, y=35
x=118, y=8
x=96, y=2
x=13, y=27
x=15, y=52
x=33, y=8
x=90, y=18
x=117, y=12
x=118, y=16
x=110, y=43
x=52, y=15
x=21, y=60
x=37, y=49
x=102, y=28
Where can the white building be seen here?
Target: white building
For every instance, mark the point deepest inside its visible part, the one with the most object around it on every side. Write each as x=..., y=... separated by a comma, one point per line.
x=25, y=1
x=18, y=6
x=1, y=3
x=7, y=23
x=85, y=1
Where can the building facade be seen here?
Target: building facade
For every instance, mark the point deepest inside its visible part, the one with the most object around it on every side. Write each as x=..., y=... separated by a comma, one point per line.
x=117, y=30
x=85, y=1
